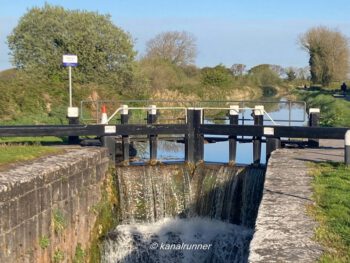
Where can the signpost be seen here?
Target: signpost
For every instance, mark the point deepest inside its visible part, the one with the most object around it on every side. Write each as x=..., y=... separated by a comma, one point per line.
x=70, y=61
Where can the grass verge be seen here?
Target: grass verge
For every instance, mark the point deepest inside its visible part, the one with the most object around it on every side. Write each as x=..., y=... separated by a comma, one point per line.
x=15, y=153
x=331, y=186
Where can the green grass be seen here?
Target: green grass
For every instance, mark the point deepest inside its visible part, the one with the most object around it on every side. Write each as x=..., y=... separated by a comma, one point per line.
x=32, y=140
x=17, y=153
x=331, y=186
x=334, y=111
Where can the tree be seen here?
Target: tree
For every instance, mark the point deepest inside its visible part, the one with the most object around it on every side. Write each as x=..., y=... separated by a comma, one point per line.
x=329, y=54
x=291, y=73
x=219, y=76
x=238, y=69
x=264, y=75
x=176, y=47
x=279, y=70
x=43, y=35
x=303, y=73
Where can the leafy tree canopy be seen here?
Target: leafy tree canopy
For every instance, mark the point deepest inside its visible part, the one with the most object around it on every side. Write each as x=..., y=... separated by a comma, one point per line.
x=264, y=75
x=179, y=48
x=105, y=52
x=218, y=76
x=329, y=54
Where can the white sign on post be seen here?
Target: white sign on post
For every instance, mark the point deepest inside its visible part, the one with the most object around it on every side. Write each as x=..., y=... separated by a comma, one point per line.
x=70, y=60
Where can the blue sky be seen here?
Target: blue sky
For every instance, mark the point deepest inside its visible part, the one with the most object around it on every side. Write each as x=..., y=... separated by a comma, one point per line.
x=249, y=32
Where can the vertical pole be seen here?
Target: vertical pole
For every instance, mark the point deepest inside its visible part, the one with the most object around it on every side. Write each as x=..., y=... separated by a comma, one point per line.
x=153, y=139
x=73, y=119
x=314, y=121
x=194, y=141
x=124, y=119
x=272, y=144
x=290, y=112
x=258, y=120
x=189, y=137
x=232, y=140
x=199, y=138
x=109, y=143
x=347, y=148
x=70, y=86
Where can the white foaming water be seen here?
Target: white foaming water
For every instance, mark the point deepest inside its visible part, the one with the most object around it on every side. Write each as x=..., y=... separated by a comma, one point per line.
x=178, y=240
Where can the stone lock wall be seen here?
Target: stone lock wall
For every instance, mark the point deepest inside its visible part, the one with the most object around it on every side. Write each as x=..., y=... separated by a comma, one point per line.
x=46, y=206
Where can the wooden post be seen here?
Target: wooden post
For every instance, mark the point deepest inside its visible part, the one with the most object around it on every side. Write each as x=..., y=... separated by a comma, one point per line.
x=272, y=144
x=258, y=120
x=347, y=148
x=109, y=143
x=153, y=139
x=73, y=119
x=194, y=141
x=124, y=119
x=232, y=140
x=314, y=121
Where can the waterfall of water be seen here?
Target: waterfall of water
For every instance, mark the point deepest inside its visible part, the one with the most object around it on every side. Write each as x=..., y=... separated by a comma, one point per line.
x=172, y=205
x=177, y=240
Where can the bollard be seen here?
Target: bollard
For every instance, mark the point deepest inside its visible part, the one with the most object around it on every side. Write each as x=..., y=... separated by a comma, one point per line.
x=258, y=120
x=194, y=141
x=104, y=117
x=347, y=148
x=314, y=121
x=73, y=119
x=124, y=119
x=233, y=116
x=153, y=139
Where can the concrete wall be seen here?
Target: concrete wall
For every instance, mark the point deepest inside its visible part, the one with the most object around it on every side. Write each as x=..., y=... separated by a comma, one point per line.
x=46, y=206
x=284, y=229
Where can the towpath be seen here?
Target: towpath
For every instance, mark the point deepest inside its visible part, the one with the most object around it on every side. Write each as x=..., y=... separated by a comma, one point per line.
x=284, y=230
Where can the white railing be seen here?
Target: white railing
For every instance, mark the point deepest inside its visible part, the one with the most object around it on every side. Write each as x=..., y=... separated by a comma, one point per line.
x=152, y=108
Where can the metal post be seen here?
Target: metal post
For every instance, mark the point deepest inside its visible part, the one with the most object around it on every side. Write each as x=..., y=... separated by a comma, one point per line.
x=153, y=139
x=290, y=113
x=124, y=119
x=347, y=147
x=199, y=138
x=314, y=121
x=194, y=141
x=70, y=86
x=233, y=116
x=258, y=120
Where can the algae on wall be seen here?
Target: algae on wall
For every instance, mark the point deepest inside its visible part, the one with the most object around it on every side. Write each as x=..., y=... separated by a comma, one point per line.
x=107, y=215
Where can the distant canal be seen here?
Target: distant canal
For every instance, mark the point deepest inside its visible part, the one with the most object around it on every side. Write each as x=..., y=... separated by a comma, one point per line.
x=282, y=112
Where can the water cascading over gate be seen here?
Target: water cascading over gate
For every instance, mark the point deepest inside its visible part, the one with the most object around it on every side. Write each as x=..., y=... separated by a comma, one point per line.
x=178, y=213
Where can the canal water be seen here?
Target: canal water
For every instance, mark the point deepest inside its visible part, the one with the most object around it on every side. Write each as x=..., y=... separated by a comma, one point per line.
x=282, y=112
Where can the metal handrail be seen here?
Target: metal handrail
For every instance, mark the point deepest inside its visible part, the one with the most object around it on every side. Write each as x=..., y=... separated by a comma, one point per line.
x=197, y=104
x=148, y=108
